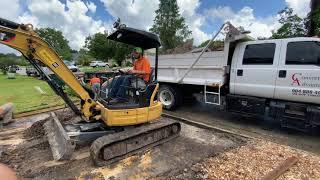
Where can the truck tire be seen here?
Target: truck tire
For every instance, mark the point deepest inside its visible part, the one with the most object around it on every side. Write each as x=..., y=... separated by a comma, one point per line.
x=170, y=97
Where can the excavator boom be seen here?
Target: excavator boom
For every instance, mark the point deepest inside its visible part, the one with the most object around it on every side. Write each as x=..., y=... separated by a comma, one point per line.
x=38, y=52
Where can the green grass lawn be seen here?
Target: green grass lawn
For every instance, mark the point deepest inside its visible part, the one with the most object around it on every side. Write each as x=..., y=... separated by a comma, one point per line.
x=22, y=92
x=91, y=69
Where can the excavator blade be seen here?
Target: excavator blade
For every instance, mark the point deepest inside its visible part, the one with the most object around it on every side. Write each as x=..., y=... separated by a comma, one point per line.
x=62, y=146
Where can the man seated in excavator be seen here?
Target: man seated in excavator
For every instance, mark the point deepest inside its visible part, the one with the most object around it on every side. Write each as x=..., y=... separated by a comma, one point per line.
x=139, y=76
x=114, y=130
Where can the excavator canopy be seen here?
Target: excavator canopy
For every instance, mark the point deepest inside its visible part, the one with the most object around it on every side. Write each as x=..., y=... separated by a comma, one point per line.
x=135, y=37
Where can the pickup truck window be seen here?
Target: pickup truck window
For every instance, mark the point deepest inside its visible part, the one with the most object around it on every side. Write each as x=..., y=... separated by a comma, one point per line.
x=259, y=54
x=303, y=53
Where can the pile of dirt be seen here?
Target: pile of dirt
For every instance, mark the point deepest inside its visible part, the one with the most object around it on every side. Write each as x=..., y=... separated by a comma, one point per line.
x=183, y=48
x=36, y=130
x=65, y=114
x=254, y=161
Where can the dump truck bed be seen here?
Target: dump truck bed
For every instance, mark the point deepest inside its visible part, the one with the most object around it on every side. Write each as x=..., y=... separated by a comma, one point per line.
x=210, y=69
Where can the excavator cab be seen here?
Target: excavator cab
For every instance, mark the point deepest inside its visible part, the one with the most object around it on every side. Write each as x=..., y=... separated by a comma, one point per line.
x=139, y=94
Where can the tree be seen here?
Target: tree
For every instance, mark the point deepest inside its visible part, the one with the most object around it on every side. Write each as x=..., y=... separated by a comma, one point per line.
x=292, y=25
x=99, y=46
x=104, y=49
x=122, y=52
x=7, y=60
x=84, y=58
x=57, y=41
x=313, y=19
x=169, y=24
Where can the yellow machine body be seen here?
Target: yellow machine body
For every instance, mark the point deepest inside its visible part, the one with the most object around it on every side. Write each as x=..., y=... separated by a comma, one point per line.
x=135, y=116
x=125, y=117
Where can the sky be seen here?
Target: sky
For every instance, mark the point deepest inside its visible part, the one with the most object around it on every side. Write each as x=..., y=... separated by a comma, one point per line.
x=78, y=19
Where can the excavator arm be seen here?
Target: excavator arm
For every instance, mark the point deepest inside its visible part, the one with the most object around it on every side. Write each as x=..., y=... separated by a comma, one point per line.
x=38, y=52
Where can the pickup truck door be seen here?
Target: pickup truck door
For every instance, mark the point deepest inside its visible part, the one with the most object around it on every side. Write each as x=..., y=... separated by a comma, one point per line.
x=298, y=78
x=256, y=69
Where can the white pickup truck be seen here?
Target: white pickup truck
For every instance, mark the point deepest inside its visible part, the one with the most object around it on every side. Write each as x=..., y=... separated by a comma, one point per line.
x=99, y=64
x=278, y=80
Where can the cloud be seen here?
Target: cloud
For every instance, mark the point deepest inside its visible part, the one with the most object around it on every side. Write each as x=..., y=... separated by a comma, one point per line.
x=10, y=9
x=91, y=6
x=141, y=14
x=300, y=7
x=71, y=18
x=137, y=14
x=259, y=27
x=193, y=19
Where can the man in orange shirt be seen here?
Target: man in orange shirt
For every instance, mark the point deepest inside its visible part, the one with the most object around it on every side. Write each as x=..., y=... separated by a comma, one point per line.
x=141, y=68
x=141, y=65
x=95, y=85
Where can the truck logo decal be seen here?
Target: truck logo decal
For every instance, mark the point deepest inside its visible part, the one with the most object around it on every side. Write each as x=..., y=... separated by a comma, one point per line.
x=295, y=79
x=298, y=79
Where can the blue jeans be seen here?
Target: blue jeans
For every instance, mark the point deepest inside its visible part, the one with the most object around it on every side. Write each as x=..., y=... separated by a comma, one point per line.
x=96, y=90
x=119, y=85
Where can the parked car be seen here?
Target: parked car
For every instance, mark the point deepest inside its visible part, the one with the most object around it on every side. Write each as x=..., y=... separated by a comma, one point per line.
x=15, y=67
x=71, y=66
x=31, y=71
x=99, y=64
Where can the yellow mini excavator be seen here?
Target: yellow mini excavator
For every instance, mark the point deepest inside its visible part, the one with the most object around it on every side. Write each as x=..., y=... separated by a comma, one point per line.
x=115, y=131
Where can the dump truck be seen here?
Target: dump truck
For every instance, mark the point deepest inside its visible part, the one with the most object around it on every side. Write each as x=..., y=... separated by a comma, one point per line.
x=277, y=80
x=114, y=130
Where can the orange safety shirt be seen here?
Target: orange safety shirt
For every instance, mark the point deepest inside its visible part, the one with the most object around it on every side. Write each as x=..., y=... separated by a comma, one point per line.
x=143, y=64
x=94, y=80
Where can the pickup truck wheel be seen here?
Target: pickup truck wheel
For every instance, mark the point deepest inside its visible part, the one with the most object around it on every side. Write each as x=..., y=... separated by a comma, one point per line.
x=170, y=97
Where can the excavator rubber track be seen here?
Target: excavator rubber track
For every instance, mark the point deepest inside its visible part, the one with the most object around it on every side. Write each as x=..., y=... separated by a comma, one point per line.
x=114, y=147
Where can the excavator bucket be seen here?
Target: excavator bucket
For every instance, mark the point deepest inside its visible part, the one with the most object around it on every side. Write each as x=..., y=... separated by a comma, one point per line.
x=62, y=146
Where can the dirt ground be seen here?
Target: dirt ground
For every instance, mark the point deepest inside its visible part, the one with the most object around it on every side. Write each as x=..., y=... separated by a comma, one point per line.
x=23, y=147
x=196, y=154
x=252, y=127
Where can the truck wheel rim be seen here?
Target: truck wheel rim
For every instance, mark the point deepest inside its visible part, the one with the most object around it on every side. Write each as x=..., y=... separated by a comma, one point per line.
x=166, y=97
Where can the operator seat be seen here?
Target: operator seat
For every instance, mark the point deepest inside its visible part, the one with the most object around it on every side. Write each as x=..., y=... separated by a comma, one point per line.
x=145, y=94
x=142, y=99
x=151, y=78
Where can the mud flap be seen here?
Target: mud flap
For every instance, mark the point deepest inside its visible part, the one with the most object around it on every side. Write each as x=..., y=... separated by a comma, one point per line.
x=62, y=146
